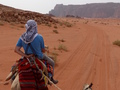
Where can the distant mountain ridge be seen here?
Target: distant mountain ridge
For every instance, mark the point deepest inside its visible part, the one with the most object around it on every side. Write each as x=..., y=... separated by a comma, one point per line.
x=95, y=10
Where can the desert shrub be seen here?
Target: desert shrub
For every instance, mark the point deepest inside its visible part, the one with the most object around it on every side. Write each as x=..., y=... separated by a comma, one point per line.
x=53, y=55
x=55, y=26
x=62, y=47
x=1, y=23
x=95, y=22
x=86, y=22
x=18, y=29
x=22, y=26
x=49, y=25
x=55, y=31
x=12, y=27
x=68, y=24
x=61, y=40
x=117, y=42
x=11, y=23
x=54, y=48
x=61, y=24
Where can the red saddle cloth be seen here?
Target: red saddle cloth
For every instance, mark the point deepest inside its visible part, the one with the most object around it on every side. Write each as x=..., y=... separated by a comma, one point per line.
x=30, y=77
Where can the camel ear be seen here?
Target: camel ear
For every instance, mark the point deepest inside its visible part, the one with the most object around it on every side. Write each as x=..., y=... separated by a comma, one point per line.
x=9, y=76
x=87, y=87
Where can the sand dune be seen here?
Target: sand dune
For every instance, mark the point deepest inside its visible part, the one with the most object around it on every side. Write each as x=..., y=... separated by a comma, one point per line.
x=91, y=56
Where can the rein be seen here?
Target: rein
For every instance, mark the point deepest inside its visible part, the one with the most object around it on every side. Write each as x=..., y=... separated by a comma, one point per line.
x=46, y=79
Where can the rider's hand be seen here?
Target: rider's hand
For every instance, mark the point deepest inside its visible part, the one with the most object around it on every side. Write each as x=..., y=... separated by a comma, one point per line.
x=27, y=56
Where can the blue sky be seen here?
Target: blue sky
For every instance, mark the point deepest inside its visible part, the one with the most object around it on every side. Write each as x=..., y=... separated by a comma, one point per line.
x=44, y=6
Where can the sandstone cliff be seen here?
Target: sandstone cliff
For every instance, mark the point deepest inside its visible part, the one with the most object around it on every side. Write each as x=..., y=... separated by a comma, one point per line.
x=95, y=10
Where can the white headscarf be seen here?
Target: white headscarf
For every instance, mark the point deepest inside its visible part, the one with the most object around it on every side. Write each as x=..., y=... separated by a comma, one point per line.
x=31, y=32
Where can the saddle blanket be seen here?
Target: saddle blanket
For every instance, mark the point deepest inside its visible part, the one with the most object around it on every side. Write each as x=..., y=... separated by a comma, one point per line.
x=30, y=76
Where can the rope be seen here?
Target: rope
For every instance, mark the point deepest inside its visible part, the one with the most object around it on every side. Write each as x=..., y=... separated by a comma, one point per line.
x=5, y=82
x=53, y=83
x=44, y=76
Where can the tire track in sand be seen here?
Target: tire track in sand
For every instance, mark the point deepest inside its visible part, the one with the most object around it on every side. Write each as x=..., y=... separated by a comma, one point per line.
x=72, y=65
x=102, y=73
x=90, y=62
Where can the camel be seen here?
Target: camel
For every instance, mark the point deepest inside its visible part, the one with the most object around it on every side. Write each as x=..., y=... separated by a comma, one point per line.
x=15, y=84
x=87, y=87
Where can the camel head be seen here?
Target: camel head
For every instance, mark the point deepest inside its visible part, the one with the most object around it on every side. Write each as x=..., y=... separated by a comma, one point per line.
x=87, y=87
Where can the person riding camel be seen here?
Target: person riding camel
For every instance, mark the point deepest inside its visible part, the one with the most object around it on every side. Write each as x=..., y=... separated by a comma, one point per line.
x=35, y=40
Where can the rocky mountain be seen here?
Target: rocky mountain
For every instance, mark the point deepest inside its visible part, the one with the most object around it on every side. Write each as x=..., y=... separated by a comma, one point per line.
x=10, y=14
x=95, y=10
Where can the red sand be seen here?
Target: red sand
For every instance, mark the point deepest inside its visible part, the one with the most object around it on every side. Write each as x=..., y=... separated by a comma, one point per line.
x=91, y=55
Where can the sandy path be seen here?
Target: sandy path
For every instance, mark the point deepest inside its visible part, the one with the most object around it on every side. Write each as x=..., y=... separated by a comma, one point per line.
x=90, y=62
x=91, y=56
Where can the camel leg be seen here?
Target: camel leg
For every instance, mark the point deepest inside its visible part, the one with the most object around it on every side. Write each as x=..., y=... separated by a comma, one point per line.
x=18, y=85
x=15, y=84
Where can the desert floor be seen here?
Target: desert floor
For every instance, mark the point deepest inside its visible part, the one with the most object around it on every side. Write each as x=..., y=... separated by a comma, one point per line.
x=91, y=56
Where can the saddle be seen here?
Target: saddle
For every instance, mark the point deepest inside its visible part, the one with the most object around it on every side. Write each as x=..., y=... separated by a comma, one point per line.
x=32, y=75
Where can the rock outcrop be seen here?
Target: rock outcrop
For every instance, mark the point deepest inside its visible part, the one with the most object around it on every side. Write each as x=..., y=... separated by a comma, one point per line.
x=95, y=10
x=10, y=14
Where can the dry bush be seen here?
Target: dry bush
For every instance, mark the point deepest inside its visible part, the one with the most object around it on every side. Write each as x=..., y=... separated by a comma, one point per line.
x=49, y=25
x=13, y=24
x=22, y=26
x=53, y=55
x=55, y=48
x=62, y=47
x=86, y=22
x=95, y=22
x=55, y=26
x=55, y=31
x=1, y=24
x=67, y=24
x=60, y=23
x=117, y=42
x=61, y=40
